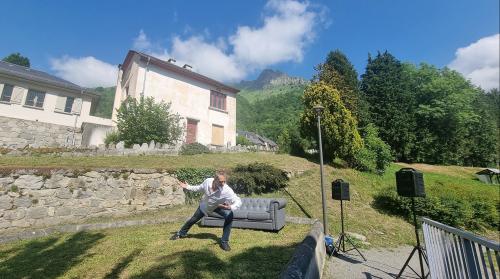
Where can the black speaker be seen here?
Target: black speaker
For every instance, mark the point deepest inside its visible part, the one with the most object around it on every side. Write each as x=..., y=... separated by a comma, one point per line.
x=410, y=183
x=340, y=190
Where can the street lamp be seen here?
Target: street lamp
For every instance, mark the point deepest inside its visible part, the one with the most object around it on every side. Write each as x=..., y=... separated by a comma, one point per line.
x=319, y=109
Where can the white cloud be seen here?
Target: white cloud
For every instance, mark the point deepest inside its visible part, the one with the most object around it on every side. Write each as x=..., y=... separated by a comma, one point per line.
x=479, y=62
x=141, y=42
x=288, y=27
x=85, y=71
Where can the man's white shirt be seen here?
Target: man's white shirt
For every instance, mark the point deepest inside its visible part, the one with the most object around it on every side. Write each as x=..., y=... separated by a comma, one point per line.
x=211, y=199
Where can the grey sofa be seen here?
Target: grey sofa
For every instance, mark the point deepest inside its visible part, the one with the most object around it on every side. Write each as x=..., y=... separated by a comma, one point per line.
x=254, y=213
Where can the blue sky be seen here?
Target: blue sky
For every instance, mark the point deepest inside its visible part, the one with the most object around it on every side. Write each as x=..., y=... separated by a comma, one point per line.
x=232, y=40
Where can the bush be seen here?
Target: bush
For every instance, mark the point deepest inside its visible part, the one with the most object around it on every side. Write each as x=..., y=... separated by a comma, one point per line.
x=193, y=149
x=112, y=138
x=241, y=140
x=143, y=120
x=451, y=210
x=194, y=176
x=375, y=155
x=257, y=178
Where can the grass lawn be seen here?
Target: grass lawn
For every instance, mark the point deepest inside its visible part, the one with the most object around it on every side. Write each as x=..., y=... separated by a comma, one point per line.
x=303, y=193
x=147, y=252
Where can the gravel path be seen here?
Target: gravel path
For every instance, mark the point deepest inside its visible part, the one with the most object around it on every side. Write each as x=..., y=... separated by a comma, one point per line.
x=381, y=263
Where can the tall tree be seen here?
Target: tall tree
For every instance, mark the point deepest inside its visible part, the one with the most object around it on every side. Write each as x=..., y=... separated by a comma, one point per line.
x=339, y=128
x=391, y=103
x=18, y=59
x=338, y=72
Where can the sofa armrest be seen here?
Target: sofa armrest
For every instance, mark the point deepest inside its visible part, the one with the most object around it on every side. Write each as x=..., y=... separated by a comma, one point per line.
x=280, y=202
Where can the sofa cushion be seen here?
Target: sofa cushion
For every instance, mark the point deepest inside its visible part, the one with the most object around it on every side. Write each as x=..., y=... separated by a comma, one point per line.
x=258, y=215
x=240, y=214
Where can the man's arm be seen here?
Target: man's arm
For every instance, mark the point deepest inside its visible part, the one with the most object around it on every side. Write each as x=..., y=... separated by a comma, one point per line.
x=197, y=188
x=235, y=202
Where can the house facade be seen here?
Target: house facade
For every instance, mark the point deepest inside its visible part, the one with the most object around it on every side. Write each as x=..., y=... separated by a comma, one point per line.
x=207, y=107
x=41, y=110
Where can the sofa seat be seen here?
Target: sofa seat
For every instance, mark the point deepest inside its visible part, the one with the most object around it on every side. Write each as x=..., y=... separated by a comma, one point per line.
x=254, y=213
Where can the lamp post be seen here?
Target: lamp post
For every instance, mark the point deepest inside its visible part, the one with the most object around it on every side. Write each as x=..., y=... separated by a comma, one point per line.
x=319, y=109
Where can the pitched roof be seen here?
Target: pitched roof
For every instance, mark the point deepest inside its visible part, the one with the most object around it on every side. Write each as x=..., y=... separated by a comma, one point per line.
x=257, y=139
x=177, y=69
x=489, y=171
x=39, y=76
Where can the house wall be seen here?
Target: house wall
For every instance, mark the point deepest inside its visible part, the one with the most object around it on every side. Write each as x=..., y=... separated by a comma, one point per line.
x=188, y=97
x=39, y=123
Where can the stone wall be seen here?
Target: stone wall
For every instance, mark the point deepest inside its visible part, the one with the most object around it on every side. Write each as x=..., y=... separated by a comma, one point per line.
x=39, y=198
x=20, y=133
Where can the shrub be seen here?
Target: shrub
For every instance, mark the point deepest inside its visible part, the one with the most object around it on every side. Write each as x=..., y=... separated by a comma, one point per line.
x=193, y=149
x=241, y=140
x=257, y=178
x=452, y=210
x=112, y=138
x=375, y=155
x=143, y=120
x=194, y=176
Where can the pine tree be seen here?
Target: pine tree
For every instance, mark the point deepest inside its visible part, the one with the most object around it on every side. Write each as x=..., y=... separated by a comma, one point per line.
x=391, y=103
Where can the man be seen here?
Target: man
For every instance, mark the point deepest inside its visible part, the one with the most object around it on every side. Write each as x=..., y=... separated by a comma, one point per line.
x=218, y=197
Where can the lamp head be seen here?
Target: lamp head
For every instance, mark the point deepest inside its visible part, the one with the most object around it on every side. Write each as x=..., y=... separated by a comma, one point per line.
x=318, y=108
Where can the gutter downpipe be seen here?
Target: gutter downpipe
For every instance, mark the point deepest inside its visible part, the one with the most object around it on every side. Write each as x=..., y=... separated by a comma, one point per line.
x=144, y=81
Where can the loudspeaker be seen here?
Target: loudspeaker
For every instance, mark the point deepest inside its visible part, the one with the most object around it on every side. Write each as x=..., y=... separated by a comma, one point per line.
x=410, y=183
x=340, y=190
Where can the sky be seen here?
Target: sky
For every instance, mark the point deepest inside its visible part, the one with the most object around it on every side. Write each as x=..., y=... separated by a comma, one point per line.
x=84, y=41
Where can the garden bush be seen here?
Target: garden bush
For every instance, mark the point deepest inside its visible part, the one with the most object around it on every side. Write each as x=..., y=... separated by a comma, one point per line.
x=375, y=155
x=241, y=140
x=450, y=209
x=194, y=176
x=112, y=138
x=193, y=149
x=257, y=178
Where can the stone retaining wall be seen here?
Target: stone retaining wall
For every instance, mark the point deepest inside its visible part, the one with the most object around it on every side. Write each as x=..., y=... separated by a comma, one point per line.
x=39, y=198
x=20, y=133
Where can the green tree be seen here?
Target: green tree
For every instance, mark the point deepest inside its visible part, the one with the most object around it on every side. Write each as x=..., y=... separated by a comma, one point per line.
x=375, y=155
x=104, y=106
x=391, y=103
x=339, y=128
x=18, y=59
x=338, y=72
x=143, y=120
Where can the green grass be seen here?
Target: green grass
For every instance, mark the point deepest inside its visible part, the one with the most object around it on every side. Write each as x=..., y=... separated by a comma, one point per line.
x=147, y=252
x=303, y=193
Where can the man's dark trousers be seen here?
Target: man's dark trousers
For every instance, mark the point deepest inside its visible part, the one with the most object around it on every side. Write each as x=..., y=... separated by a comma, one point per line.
x=228, y=222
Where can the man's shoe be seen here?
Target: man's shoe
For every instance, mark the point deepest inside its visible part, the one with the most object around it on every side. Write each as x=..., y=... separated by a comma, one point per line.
x=225, y=246
x=177, y=236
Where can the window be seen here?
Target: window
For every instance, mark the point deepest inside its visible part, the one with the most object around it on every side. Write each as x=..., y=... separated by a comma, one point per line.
x=69, y=104
x=6, y=93
x=217, y=100
x=35, y=98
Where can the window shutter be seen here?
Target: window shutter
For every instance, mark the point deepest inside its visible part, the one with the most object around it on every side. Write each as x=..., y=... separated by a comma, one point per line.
x=17, y=95
x=217, y=135
x=77, y=106
x=1, y=88
x=60, y=103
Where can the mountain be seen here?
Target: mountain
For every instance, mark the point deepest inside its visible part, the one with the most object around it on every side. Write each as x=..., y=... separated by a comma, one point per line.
x=270, y=77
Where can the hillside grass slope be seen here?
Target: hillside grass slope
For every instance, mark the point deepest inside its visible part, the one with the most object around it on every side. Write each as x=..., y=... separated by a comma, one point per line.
x=303, y=193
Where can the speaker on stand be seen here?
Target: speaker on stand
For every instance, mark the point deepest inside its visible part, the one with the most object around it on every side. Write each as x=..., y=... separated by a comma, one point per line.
x=340, y=191
x=410, y=183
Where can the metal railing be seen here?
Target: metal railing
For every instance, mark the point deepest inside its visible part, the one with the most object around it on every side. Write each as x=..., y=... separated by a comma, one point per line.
x=454, y=253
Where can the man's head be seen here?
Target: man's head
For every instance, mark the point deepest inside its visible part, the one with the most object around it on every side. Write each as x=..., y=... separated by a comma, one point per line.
x=220, y=178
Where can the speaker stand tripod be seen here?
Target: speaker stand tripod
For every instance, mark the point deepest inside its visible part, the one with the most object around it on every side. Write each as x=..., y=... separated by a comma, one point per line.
x=418, y=248
x=343, y=236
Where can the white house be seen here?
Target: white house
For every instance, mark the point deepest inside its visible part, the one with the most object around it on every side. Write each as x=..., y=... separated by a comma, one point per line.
x=39, y=109
x=208, y=107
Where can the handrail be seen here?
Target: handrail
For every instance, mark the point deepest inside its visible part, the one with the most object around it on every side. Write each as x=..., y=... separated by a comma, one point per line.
x=454, y=253
x=464, y=234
